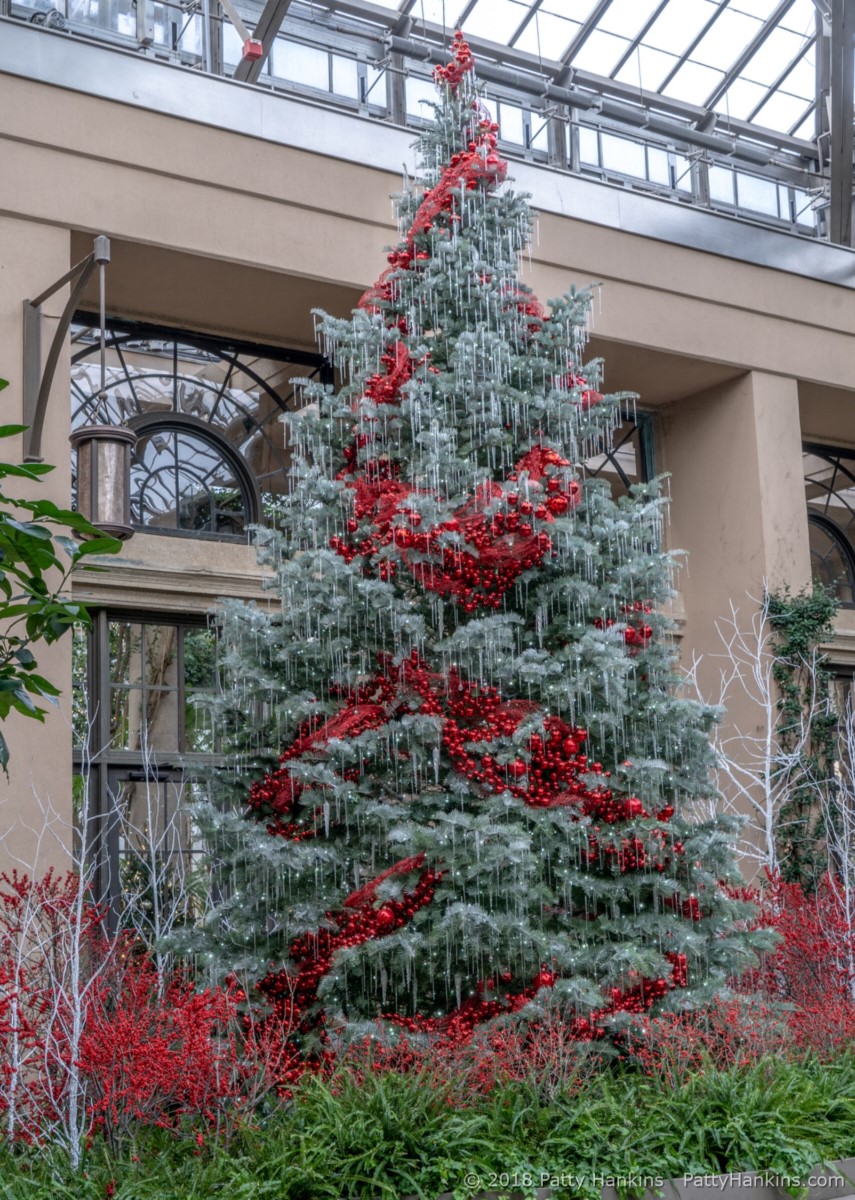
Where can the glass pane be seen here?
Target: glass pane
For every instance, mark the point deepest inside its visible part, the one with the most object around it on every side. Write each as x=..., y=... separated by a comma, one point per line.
x=682, y=173
x=621, y=465
x=679, y=24
x=438, y=11
x=725, y=38
x=829, y=563
x=646, y=68
x=600, y=53
x=626, y=17
x=547, y=35
x=345, y=79
x=79, y=686
x=619, y=154
x=421, y=96
x=124, y=651
x=721, y=184
x=181, y=481
x=158, y=843
x=302, y=64
x=781, y=111
x=802, y=17
x=657, y=166
x=693, y=83
x=511, y=124
x=495, y=20
x=200, y=658
x=144, y=707
x=801, y=80
x=830, y=494
x=232, y=44
x=807, y=129
x=761, y=195
x=740, y=99
x=780, y=48
x=540, y=132
x=589, y=145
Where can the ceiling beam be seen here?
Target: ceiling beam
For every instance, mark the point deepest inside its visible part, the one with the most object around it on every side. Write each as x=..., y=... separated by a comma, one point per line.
x=738, y=66
x=269, y=24
x=840, y=155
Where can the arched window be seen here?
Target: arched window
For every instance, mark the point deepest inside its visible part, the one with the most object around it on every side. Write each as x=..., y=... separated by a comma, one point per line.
x=212, y=456
x=830, y=493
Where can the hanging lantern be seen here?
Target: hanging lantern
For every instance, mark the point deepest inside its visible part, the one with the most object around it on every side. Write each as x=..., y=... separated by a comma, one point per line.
x=104, y=477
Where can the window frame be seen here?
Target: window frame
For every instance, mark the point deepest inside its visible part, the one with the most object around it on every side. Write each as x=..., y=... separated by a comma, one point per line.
x=823, y=521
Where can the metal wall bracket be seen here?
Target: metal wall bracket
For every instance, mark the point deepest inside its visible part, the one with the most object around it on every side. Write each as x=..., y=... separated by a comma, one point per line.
x=37, y=383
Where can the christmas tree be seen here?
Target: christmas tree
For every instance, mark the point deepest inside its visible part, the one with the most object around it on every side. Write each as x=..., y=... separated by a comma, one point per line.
x=461, y=776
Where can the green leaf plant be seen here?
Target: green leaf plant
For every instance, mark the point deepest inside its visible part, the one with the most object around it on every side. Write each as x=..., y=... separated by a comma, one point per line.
x=34, y=605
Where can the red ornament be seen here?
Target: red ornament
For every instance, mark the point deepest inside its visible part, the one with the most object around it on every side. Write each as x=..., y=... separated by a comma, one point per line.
x=384, y=919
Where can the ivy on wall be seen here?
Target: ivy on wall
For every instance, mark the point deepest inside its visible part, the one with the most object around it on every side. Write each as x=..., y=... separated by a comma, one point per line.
x=808, y=719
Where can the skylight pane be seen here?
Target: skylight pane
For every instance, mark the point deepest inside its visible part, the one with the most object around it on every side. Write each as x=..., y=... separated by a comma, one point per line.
x=780, y=48
x=441, y=12
x=781, y=111
x=600, y=53
x=801, y=81
x=755, y=8
x=807, y=129
x=646, y=68
x=802, y=17
x=731, y=33
x=740, y=99
x=495, y=20
x=679, y=24
x=547, y=35
x=573, y=10
x=626, y=17
x=693, y=83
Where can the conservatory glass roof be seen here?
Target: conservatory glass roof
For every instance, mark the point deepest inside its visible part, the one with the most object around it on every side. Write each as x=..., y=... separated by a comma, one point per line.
x=746, y=60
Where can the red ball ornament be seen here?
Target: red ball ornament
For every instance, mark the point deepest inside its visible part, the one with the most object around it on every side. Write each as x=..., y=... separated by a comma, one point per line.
x=518, y=767
x=384, y=919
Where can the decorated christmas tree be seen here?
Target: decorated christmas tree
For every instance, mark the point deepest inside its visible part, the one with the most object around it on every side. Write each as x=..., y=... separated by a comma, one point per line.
x=461, y=776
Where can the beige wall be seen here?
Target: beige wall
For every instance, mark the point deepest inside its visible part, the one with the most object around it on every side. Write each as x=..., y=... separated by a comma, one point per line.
x=218, y=231
x=31, y=258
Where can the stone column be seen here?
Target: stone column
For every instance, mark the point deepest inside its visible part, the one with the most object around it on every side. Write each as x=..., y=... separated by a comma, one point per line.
x=738, y=509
